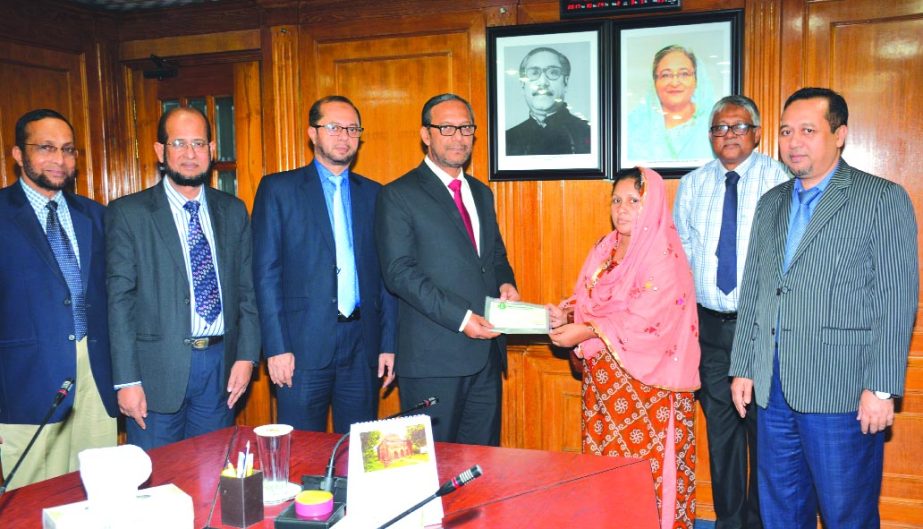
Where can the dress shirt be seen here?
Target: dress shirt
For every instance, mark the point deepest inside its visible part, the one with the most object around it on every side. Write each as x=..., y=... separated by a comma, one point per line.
x=329, y=187
x=697, y=214
x=38, y=202
x=200, y=327
x=468, y=201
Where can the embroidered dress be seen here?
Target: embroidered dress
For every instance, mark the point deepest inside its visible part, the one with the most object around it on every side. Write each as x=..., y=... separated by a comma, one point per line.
x=642, y=367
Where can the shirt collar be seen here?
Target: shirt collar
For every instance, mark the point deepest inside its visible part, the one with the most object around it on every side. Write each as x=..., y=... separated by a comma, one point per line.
x=37, y=199
x=822, y=186
x=178, y=198
x=741, y=168
x=327, y=174
x=443, y=176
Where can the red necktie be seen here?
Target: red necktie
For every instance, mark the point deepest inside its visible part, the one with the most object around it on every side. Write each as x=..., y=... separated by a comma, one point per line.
x=455, y=186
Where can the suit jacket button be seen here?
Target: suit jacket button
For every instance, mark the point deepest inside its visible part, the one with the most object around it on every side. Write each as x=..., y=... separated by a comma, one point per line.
x=67, y=301
x=186, y=301
x=483, y=270
x=71, y=337
x=333, y=300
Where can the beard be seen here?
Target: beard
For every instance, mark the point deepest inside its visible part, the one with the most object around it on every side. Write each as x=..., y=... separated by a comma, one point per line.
x=41, y=180
x=200, y=179
x=344, y=159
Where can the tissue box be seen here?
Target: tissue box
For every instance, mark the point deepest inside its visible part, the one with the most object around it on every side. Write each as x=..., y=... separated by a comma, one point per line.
x=154, y=508
x=242, y=500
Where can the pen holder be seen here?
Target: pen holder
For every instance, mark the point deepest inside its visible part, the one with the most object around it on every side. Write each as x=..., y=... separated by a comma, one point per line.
x=242, y=500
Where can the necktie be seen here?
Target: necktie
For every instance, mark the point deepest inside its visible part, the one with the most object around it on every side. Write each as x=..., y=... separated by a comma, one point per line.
x=347, y=297
x=799, y=224
x=455, y=186
x=67, y=262
x=727, y=240
x=204, y=278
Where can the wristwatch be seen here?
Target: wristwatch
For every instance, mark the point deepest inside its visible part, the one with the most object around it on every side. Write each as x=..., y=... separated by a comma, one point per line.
x=882, y=395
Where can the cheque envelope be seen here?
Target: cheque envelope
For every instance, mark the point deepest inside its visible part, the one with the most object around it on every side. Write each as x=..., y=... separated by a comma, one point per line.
x=516, y=317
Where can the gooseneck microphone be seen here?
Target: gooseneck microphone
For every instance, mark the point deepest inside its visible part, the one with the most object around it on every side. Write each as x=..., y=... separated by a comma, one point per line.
x=58, y=397
x=327, y=482
x=449, y=486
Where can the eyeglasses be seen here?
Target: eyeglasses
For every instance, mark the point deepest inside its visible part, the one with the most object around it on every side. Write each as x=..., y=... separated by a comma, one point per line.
x=719, y=131
x=181, y=145
x=46, y=149
x=334, y=129
x=449, y=130
x=682, y=75
x=552, y=73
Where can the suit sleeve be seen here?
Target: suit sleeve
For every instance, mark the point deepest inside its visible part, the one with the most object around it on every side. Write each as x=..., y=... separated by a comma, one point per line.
x=394, y=236
x=502, y=267
x=895, y=292
x=267, y=269
x=682, y=214
x=742, y=352
x=248, y=342
x=388, y=320
x=121, y=286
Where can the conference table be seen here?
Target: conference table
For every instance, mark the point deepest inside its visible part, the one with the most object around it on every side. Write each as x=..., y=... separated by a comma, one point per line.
x=519, y=488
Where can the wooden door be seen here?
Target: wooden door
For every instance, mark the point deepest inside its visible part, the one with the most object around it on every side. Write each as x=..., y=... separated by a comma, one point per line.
x=871, y=52
x=42, y=78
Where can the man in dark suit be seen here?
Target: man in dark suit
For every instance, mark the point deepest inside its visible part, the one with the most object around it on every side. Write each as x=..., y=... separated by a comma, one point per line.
x=442, y=255
x=550, y=128
x=53, y=322
x=328, y=323
x=827, y=306
x=182, y=313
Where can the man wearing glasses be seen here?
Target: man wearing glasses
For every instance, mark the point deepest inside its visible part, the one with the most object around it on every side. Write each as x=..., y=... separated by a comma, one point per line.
x=550, y=128
x=713, y=214
x=182, y=314
x=53, y=323
x=442, y=255
x=328, y=323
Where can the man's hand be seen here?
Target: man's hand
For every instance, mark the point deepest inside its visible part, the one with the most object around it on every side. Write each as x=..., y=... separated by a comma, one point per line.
x=508, y=292
x=741, y=394
x=281, y=369
x=239, y=380
x=571, y=334
x=874, y=414
x=133, y=403
x=386, y=368
x=479, y=328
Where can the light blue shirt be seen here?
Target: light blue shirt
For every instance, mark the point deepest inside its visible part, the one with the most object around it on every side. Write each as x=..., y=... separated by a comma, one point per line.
x=38, y=202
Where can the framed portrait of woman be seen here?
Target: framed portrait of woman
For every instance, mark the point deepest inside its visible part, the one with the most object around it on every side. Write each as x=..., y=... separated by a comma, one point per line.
x=671, y=71
x=548, y=97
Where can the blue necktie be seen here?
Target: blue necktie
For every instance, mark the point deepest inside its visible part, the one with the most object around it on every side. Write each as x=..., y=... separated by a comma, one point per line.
x=67, y=262
x=204, y=278
x=799, y=224
x=346, y=260
x=727, y=240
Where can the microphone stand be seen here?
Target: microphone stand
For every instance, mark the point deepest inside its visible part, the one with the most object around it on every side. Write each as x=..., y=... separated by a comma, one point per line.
x=449, y=486
x=59, y=396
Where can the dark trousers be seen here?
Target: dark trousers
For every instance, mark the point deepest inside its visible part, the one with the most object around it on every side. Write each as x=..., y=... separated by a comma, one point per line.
x=347, y=384
x=731, y=440
x=811, y=461
x=469, y=407
x=204, y=408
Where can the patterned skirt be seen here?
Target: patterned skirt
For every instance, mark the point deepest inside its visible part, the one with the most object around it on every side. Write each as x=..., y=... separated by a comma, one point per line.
x=623, y=417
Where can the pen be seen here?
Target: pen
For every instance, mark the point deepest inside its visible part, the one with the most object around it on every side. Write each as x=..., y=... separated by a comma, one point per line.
x=240, y=464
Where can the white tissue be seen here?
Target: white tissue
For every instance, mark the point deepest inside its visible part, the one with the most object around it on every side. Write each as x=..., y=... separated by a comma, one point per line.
x=111, y=477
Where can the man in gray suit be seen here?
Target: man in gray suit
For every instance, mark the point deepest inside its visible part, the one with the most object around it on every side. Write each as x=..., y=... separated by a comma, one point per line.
x=827, y=306
x=442, y=254
x=183, y=323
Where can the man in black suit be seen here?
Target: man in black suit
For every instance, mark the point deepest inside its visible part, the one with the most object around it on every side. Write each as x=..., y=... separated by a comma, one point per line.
x=442, y=254
x=182, y=313
x=550, y=128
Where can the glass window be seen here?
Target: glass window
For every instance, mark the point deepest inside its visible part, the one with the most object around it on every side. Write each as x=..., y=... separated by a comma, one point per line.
x=227, y=181
x=167, y=104
x=199, y=103
x=224, y=125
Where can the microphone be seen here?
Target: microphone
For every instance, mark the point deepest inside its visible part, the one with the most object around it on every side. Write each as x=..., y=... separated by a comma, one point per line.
x=59, y=396
x=449, y=486
x=326, y=483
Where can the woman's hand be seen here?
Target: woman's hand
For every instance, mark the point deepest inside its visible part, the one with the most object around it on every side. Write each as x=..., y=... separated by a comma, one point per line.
x=556, y=315
x=571, y=334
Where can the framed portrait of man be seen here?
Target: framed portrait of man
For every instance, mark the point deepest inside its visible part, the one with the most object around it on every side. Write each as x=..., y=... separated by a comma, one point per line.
x=548, y=98
x=670, y=72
